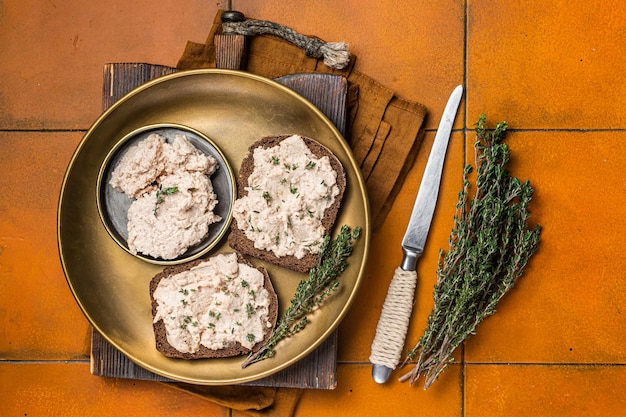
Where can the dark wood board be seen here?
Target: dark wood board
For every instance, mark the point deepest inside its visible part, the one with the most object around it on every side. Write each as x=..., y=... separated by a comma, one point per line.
x=319, y=369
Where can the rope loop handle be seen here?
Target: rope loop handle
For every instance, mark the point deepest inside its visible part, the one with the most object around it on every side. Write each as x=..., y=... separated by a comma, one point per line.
x=336, y=54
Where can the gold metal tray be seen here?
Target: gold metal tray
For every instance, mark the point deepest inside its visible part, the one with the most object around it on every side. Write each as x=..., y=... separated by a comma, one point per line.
x=110, y=285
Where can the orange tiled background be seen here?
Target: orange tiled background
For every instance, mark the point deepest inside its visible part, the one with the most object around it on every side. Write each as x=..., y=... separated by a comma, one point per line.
x=554, y=71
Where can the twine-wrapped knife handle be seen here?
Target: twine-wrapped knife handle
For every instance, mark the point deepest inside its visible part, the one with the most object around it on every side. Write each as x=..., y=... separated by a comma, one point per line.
x=394, y=320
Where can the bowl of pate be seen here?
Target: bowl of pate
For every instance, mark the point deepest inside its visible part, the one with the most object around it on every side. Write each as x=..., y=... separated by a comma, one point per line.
x=165, y=194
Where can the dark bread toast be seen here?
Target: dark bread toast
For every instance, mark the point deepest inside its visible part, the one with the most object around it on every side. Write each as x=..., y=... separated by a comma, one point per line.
x=240, y=242
x=235, y=348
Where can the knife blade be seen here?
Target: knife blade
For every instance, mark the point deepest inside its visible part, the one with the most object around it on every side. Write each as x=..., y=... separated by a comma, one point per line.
x=395, y=315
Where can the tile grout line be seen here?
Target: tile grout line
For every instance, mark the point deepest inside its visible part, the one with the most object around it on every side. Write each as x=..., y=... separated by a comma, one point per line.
x=8, y=130
x=465, y=162
x=463, y=362
x=538, y=130
x=464, y=128
x=43, y=361
x=557, y=364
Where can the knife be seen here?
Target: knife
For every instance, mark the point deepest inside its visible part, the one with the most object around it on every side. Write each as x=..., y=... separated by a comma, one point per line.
x=394, y=318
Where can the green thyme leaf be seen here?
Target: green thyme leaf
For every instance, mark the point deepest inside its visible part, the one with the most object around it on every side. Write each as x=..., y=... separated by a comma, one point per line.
x=312, y=292
x=159, y=196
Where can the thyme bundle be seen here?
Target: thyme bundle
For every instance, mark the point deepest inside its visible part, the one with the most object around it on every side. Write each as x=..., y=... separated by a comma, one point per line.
x=311, y=293
x=489, y=246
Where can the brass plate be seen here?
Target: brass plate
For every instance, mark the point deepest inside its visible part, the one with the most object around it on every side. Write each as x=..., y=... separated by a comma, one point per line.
x=110, y=285
x=113, y=205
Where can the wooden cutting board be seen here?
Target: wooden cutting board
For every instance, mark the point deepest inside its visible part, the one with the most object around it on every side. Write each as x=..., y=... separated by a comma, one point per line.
x=319, y=369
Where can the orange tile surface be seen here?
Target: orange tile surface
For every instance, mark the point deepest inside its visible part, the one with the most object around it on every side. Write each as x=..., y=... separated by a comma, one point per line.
x=67, y=389
x=570, y=390
x=553, y=71
x=356, y=394
x=568, y=307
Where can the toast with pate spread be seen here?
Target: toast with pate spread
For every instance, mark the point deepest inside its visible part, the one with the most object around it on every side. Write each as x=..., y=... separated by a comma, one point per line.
x=212, y=308
x=289, y=193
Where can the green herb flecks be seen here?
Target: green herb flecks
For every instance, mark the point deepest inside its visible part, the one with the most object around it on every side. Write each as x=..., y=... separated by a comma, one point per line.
x=489, y=247
x=250, y=310
x=159, y=196
x=312, y=292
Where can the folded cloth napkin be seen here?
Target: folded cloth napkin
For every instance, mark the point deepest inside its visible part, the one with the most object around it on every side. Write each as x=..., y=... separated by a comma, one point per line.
x=254, y=401
x=383, y=131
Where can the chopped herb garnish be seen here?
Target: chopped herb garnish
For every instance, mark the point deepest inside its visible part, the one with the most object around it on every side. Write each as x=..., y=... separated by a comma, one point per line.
x=275, y=160
x=310, y=165
x=250, y=337
x=267, y=196
x=244, y=283
x=249, y=310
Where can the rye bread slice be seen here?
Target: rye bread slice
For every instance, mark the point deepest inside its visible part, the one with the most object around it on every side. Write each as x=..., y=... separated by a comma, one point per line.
x=240, y=242
x=235, y=349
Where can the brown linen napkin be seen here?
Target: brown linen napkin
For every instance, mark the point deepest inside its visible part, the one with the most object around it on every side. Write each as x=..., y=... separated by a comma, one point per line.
x=254, y=401
x=383, y=130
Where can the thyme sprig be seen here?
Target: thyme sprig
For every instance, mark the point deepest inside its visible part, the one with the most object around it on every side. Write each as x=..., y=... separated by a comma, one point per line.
x=489, y=246
x=312, y=292
x=159, y=196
